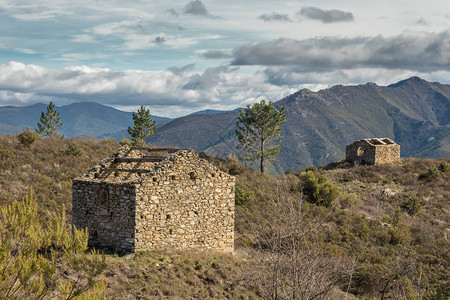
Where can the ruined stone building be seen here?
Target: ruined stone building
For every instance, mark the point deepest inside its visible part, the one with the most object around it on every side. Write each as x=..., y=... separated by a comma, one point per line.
x=373, y=151
x=163, y=198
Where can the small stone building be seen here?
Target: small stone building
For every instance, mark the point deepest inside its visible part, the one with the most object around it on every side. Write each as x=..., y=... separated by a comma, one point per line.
x=374, y=151
x=142, y=198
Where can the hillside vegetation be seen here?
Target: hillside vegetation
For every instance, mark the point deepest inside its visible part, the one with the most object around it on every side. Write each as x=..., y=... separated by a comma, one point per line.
x=337, y=232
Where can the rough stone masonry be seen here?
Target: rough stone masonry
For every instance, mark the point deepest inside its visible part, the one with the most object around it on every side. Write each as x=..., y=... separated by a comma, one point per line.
x=155, y=198
x=373, y=151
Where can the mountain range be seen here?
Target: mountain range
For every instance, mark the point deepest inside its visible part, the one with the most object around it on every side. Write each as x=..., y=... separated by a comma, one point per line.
x=78, y=118
x=413, y=112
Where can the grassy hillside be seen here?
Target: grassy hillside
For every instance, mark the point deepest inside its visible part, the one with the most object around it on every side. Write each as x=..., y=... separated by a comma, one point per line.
x=369, y=231
x=48, y=165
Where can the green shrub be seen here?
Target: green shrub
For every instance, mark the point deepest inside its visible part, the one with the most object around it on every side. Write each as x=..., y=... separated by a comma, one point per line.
x=234, y=167
x=328, y=193
x=73, y=149
x=443, y=166
x=348, y=200
x=399, y=235
x=395, y=219
x=27, y=137
x=347, y=178
x=440, y=292
x=124, y=141
x=242, y=195
x=317, y=189
x=310, y=183
x=6, y=153
x=139, y=142
x=368, y=278
x=412, y=206
x=431, y=174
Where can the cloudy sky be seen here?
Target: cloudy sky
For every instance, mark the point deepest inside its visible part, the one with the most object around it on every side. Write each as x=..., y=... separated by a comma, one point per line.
x=177, y=57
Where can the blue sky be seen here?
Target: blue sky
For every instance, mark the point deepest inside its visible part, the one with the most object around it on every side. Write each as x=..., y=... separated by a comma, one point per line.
x=177, y=57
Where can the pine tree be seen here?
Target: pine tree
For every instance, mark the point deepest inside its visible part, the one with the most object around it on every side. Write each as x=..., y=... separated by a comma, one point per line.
x=257, y=127
x=50, y=122
x=144, y=126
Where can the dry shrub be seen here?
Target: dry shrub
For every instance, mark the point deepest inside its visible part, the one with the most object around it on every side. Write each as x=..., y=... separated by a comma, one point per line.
x=286, y=265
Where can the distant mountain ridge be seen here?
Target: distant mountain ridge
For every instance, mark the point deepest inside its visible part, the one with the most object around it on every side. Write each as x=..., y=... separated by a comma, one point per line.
x=413, y=112
x=211, y=111
x=79, y=118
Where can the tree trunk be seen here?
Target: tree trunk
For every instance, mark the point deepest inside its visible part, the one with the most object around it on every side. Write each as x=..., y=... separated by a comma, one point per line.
x=262, y=157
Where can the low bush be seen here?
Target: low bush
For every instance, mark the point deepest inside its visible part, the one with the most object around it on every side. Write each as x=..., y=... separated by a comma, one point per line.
x=412, y=206
x=432, y=173
x=243, y=195
x=318, y=189
x=443, y=166
x=27, y=137
x=348, y=200
x=124, y=141
x=73, y=149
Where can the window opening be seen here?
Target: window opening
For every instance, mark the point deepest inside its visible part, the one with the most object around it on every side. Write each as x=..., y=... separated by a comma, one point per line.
x=360, y=151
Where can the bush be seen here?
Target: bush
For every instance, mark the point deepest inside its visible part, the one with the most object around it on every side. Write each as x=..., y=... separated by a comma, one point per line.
x=431, y=174
x=310, y=183
x=443, y=166
x=73, y=149
x=318, y=189
x=348, y=200
x=124, y=141
x=412, y=206
x=27, y=137
x=6, y=153
x=234, y=167
x=328, y=193
x=242, y=195
x=399, y=235
x=395, y=219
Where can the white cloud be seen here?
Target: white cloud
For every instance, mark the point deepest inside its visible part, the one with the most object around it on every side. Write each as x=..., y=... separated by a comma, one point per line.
x=30, y=11
x=134, y=36
x=418, y=51
x=275, y=57
x=83, y=38
x=25, y=51
x=315, y=80
x=177, y=91
x=220, y=87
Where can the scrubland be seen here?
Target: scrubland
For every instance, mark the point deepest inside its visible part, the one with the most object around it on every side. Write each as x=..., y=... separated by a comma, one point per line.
x=334, y=232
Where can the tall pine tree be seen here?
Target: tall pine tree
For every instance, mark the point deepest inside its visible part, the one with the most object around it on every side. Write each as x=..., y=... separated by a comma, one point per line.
x=258, y=126
x=144, y=126
x=50, y=122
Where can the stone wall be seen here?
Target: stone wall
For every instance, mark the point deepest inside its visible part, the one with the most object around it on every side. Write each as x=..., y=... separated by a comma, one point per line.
x=360, y=152
x=182, y=202
x=188, y=205
x=387, y=154
x=108, y=211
